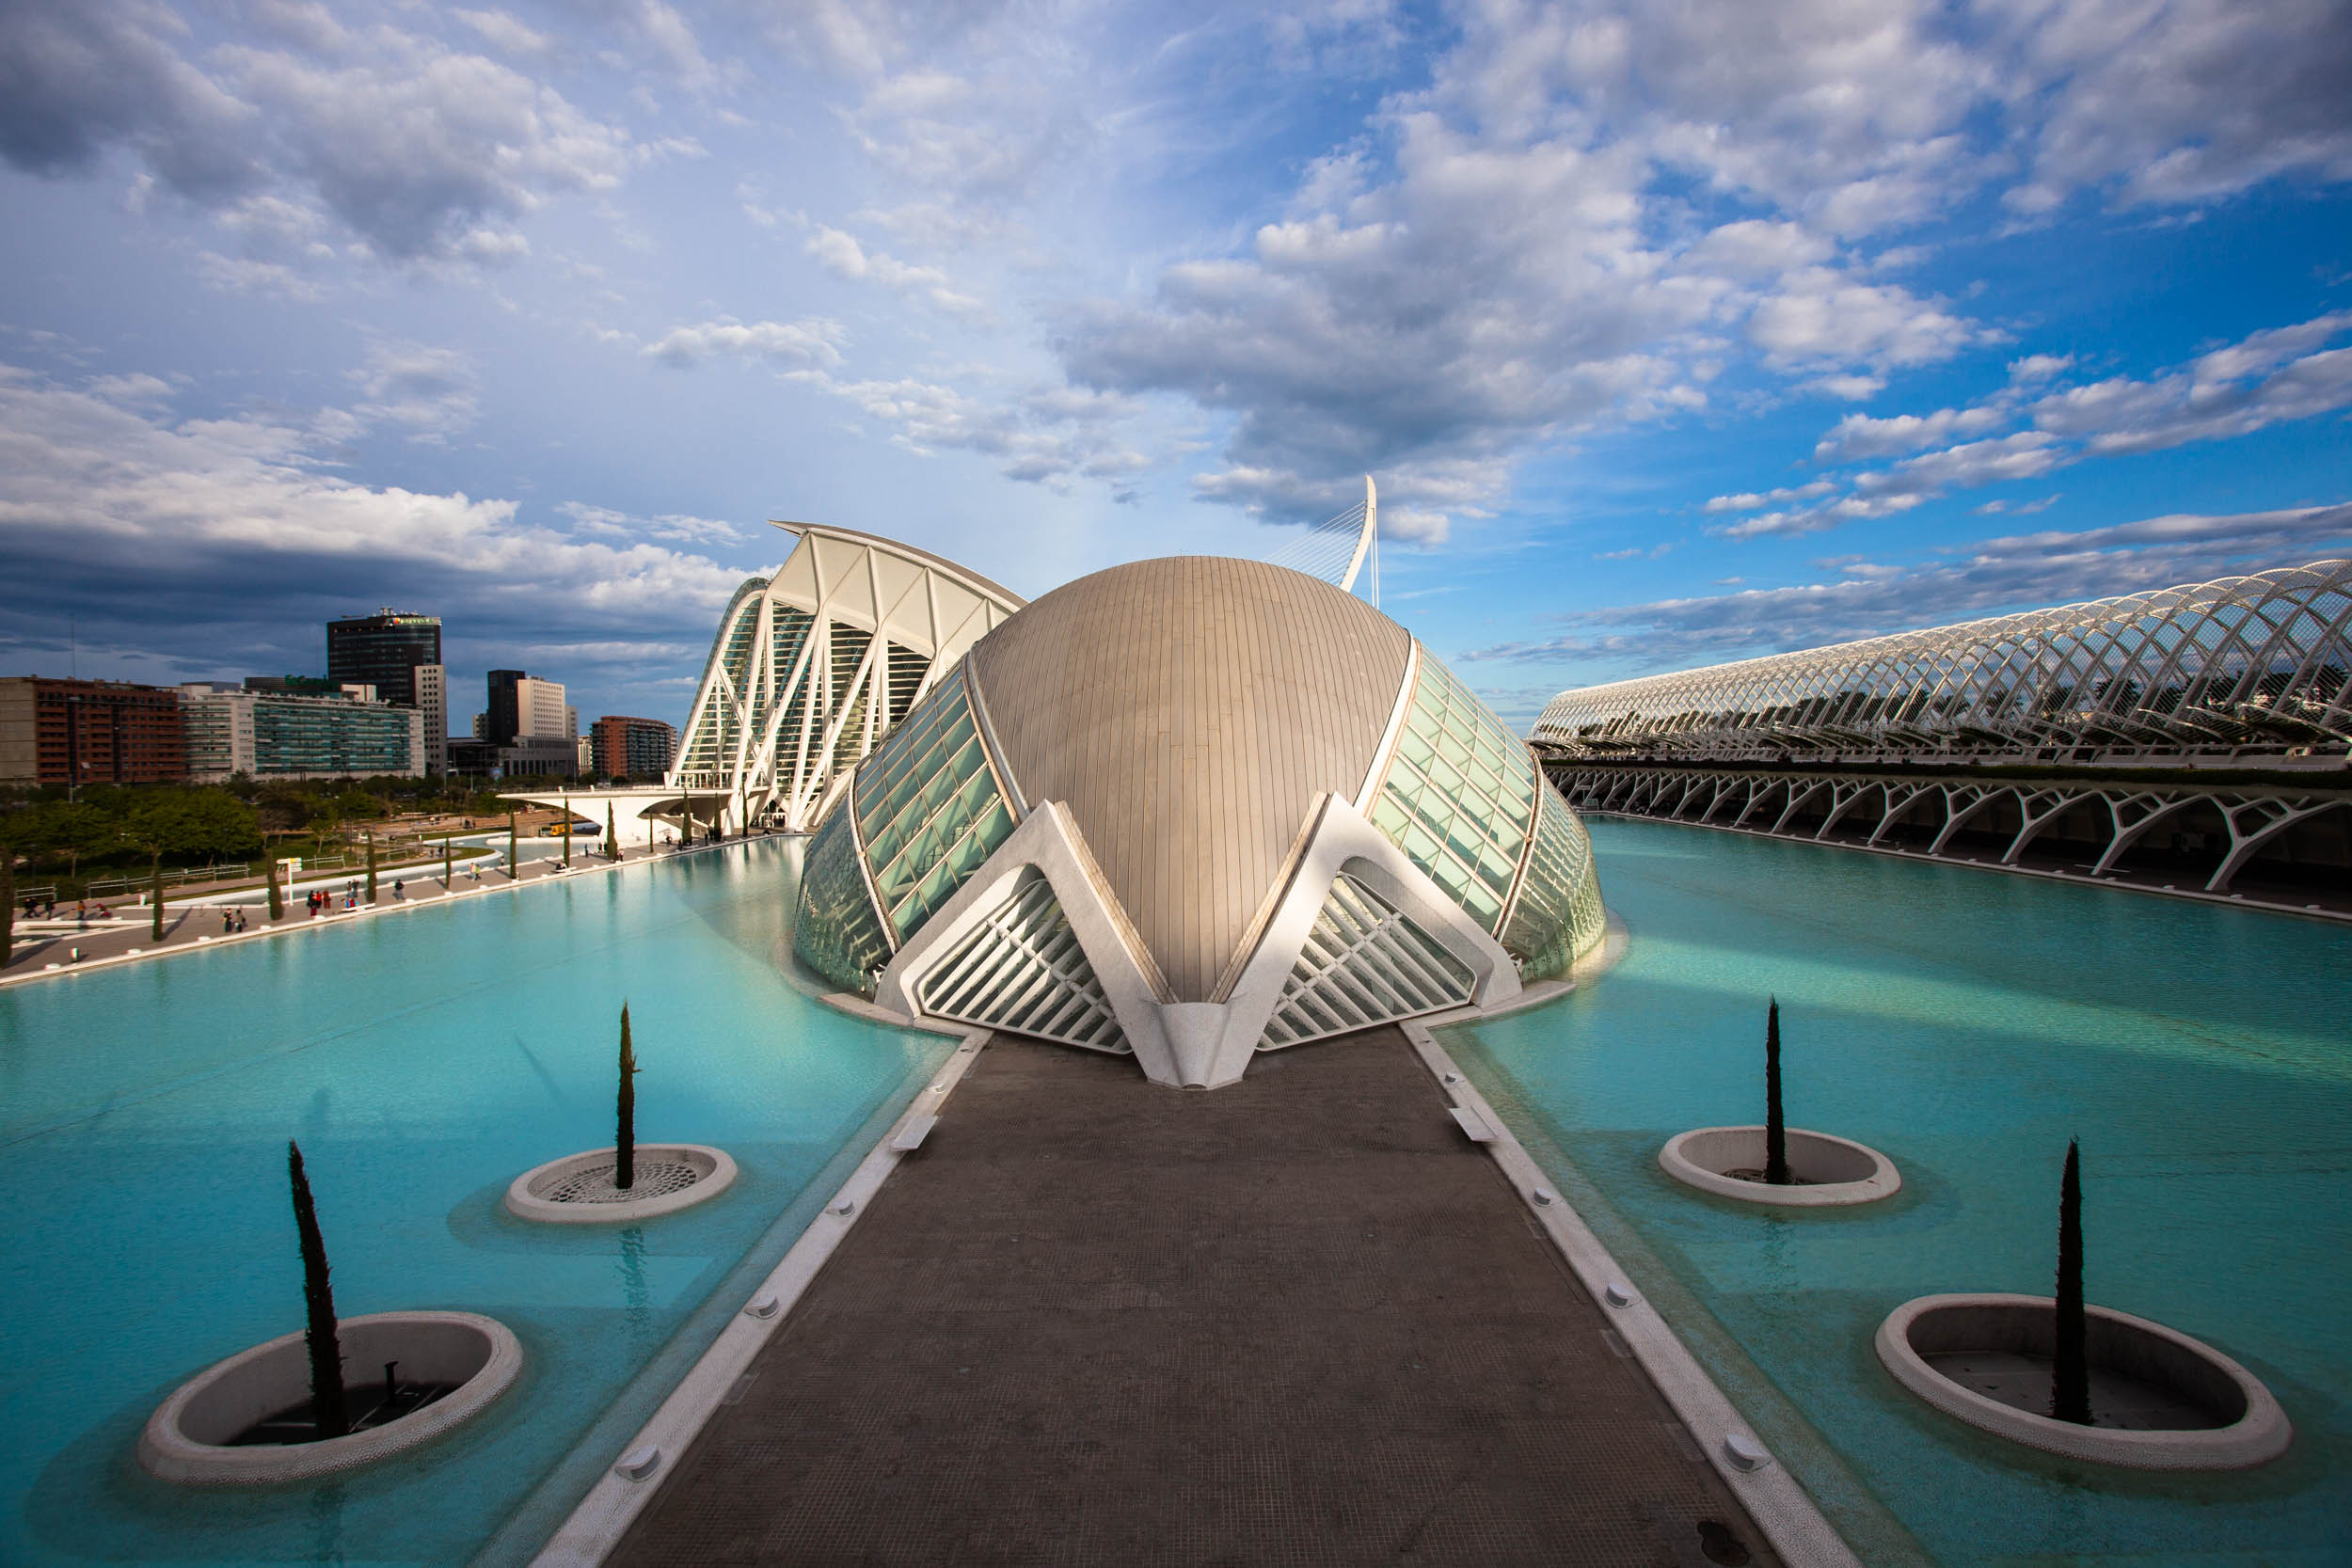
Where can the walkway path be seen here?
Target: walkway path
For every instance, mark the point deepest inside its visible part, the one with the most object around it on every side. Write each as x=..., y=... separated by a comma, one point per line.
x=42, y=942
x=1298, y=1321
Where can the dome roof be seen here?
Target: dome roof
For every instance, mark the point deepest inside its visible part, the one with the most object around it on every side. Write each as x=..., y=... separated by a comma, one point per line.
x=1186, y=711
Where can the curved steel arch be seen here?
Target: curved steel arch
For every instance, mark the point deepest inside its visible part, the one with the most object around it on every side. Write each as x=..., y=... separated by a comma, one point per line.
x=2256, y=662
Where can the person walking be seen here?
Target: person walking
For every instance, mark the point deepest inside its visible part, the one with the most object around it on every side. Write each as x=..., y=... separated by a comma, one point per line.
x=399, y=890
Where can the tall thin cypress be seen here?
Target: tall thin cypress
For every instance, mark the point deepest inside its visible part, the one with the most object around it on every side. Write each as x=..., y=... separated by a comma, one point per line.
x=612, y=837
x=1776, y=1130
x=2069, y=1360
x=329, y=1417
x=277, y=893
x=625, y=1138
x=8, y=905
x=155, y=896
x=514, y=867
x=371, y=865
x=446, y=864
x=567, y=833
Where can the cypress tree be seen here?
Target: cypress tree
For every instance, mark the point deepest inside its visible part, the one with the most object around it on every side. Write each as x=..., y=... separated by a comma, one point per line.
x=371, y=865
x=8, y=905
x=567, y=833
x=446, y=872
x=277, y=894
x=2070, y=1360
x=625, y=1138
x=1776, y=1130
x=514, y=867
x=612, y=838
x=155, y=896
x=329, y=1417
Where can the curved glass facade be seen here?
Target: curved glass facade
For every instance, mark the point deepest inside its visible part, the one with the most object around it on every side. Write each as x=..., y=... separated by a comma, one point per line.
x=1459, y=795
x=1559, y=914
x=838, y=933
x=929, y=808
x=2250, y=663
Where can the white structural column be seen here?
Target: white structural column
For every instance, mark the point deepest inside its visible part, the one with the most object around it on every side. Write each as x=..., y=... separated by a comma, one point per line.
x=815, y=662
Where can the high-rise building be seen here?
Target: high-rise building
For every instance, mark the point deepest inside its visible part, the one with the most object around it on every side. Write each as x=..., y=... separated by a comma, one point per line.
x=632, y=748
x=433, y=703
x=272, y=734
x=383, y=650
x=530, y=726
x=76, y=732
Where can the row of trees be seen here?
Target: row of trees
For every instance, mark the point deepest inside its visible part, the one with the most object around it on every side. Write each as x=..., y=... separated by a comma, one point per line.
x=108, y=830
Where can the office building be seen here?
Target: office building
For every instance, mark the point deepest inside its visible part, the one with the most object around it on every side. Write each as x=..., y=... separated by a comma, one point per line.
x=521, y=706
x=432, y=704
x=627, y=748
x=281, y=735
x=383, y=650
x=77, y=731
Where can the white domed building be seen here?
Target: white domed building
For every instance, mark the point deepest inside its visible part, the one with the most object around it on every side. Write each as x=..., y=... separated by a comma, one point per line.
x=1191, y=809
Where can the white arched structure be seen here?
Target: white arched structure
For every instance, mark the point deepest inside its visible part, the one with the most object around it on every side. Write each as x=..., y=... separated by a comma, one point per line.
x=2248, y=663
x=816, y=662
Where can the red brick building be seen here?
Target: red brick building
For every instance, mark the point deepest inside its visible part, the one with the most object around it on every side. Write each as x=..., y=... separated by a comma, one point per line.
x=632, y=748
x=56, y=731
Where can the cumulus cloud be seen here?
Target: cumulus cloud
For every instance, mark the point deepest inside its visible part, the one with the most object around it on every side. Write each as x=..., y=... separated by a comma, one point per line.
x=1522, y=249
x=841, y=255
x=2269, y=377
x=219, y=543
x=424, y=153
x=810, y=344
x=1863, y=598
x=1048, y=436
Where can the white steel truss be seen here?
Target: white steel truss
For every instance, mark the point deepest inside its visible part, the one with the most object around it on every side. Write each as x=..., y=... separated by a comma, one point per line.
x=815, y=664
x=1023, y=970
x=2248, y=663
x=1363, y=963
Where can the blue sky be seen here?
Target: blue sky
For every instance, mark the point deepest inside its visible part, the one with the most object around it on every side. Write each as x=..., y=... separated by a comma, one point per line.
x=1673, y=332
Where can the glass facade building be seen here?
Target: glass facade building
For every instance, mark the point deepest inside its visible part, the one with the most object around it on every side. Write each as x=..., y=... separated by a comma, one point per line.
x=383, y=650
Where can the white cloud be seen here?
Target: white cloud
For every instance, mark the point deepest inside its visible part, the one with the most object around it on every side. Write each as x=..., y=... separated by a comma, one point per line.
x=213, y=531
x=841, y=255
x=1868, y=599
x=1047, y=436
x=810, y=344
x=430, y=393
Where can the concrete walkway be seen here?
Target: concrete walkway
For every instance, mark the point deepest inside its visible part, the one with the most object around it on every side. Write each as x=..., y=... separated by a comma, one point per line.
x=42, y=943
x=1298, y=1321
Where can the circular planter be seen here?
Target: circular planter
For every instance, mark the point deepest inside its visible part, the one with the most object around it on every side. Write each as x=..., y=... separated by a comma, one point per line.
x=1831, y=1172
x=2164, y=1400
x=577, y=1189
x=188, y=1438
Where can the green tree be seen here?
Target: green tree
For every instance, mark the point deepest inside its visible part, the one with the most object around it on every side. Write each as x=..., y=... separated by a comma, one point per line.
x=612, y=837
x=2070, y=1360
x=1775, y=1128
x=277, y=892
x=8, y=904
x=514, y=867
x=625, y=1135
x=371, y=865
x=155, y=898
x=328, y=1416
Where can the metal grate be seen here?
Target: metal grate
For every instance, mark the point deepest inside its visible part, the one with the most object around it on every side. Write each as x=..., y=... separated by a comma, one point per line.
x=1364, y=963
x=1023, y=970
x=655, y=1178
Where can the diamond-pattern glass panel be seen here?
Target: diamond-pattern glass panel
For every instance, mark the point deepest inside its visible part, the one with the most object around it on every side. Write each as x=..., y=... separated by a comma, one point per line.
x=838, y=933
x=929, y=808
x=1558, y=917
x=1459, y=797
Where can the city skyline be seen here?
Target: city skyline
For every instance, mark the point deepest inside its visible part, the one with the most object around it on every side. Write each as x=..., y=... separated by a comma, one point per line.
x=1672, y=335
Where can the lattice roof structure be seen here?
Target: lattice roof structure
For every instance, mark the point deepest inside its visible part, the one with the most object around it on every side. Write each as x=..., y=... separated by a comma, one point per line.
x=2253, y=662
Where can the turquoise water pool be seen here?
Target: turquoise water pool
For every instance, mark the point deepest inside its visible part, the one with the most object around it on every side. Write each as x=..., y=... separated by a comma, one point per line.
x=1968, y=1024
x=423, y=1059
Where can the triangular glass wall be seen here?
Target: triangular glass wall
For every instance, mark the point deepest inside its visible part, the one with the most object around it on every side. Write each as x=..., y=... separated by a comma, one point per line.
x=1364, y=963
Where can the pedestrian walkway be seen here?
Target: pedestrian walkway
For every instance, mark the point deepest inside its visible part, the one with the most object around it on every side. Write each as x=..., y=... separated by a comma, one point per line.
x=189, y=924
x=1301, y=1320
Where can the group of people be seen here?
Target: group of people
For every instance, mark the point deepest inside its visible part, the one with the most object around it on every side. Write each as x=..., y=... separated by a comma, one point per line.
x=232, y=920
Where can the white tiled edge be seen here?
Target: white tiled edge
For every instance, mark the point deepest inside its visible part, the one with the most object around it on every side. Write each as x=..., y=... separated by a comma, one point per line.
x=1781, y=1507
x=611, y=1504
